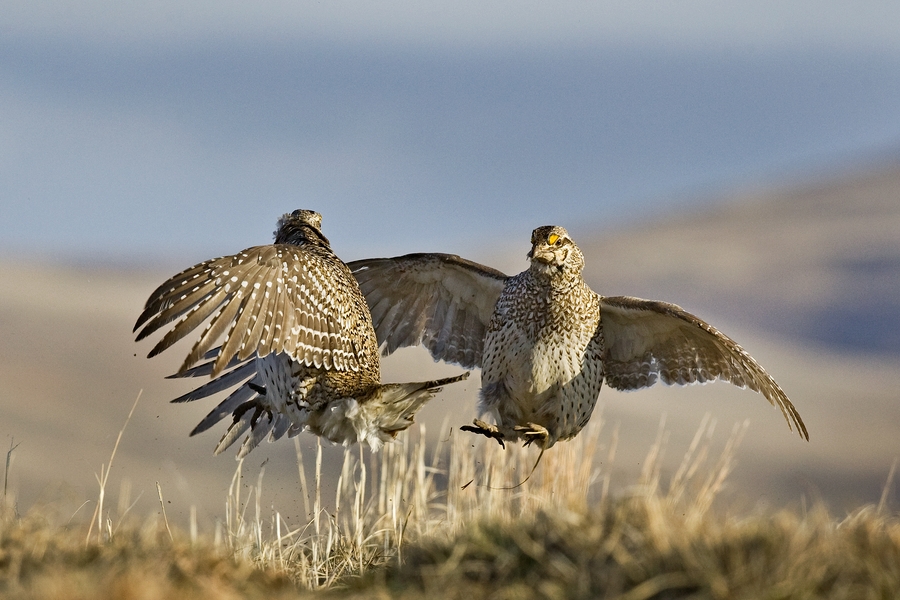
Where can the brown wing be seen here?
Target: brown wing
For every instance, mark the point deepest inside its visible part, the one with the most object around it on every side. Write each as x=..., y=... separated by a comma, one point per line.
x=646, y=341
x=441, y=301
x=275, y=298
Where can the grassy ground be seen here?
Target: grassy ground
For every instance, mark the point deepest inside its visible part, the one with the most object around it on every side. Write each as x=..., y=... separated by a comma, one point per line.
x=453, y=522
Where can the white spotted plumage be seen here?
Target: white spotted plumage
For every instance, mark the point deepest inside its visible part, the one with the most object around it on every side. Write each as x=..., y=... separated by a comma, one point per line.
x=295, y=336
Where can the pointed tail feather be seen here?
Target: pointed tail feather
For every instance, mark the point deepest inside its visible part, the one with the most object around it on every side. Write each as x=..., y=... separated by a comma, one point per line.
x=378, y=417
x=398, y=404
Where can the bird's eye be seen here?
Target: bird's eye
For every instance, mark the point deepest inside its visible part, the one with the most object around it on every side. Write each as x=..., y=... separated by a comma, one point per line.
x=553, y=239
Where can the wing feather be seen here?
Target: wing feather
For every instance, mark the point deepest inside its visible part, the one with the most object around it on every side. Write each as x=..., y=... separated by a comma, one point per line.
x=646, y=341
x=238, y=397
x=172, y=311
x=191, y=319
x=254, y=338
x=244, y=372
x=222, y=321
x=410, y=327
x=441, y=301
x=188, y=282
x=296, y=299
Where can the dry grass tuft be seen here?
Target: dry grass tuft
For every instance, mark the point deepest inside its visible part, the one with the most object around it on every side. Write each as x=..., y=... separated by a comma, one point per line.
x=41, y=560
x=452, y=522
x=624, y=552
x=654, y=542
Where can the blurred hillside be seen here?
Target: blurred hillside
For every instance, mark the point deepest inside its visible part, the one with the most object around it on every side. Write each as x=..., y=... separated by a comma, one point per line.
x=806, y=278
x=817, y=263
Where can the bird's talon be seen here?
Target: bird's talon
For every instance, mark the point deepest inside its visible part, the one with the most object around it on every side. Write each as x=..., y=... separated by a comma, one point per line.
x=485, y=429
x=531, y=432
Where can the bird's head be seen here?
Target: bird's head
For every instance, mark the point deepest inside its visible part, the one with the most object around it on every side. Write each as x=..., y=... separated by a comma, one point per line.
x=553, y=251
x=300, y=226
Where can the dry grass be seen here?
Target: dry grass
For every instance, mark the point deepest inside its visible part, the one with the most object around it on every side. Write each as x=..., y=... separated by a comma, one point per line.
x=640, y=548
x=452, y=521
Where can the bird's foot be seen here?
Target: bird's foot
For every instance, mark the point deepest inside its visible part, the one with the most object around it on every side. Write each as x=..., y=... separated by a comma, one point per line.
x=485, y=429
x=532, y=432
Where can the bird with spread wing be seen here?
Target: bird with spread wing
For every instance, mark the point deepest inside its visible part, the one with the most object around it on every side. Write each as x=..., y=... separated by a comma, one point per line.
x=545, y=341
x=296, y=339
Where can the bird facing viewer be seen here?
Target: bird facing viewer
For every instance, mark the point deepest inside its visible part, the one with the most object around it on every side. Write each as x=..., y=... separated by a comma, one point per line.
x=544, y=340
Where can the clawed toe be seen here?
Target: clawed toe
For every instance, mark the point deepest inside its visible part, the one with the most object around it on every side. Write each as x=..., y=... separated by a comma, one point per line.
x=532, y=432
x=485, y=429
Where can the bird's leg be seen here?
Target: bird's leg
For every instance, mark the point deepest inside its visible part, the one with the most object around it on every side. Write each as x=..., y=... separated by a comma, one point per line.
x=532, y=432
x=485, y=429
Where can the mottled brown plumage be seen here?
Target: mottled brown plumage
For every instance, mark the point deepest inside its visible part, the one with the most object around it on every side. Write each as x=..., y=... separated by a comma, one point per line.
x=544, y=340
x=295, y=335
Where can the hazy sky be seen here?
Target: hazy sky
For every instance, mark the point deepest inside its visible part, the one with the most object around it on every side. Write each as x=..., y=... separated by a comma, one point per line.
x=172, y=129
x=467, y=23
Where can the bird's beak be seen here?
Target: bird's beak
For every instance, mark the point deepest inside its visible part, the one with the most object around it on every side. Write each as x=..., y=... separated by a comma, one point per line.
x=540, y=254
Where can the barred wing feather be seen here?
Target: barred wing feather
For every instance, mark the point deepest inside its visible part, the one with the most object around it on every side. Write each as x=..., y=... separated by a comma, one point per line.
x=274, y=298
x=646, y=341
x=440, y=301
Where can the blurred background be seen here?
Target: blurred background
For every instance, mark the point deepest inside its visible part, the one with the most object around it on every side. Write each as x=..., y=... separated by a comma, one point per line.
x=742, y=161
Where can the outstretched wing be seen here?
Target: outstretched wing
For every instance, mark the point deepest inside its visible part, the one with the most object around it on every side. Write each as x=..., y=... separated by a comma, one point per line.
x=646, y=341
x=267, y=299
x=441, y=301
